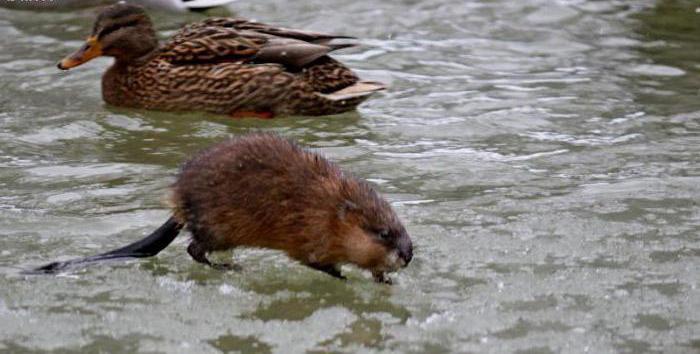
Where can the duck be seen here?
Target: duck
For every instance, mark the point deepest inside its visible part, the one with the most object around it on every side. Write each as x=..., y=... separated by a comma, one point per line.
x=220, y=65
x=173, y=6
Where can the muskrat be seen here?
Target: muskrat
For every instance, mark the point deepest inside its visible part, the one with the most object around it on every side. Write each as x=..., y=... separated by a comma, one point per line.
x=260, y=190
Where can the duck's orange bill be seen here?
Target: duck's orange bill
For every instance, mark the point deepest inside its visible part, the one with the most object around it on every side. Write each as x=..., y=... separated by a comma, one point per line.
x=90, y=50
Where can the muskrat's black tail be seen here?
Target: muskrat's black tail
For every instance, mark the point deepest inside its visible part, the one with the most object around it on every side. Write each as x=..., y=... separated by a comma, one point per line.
x=147, y=247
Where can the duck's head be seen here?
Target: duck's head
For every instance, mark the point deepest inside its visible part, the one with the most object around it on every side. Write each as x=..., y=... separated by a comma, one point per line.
x=122, y=31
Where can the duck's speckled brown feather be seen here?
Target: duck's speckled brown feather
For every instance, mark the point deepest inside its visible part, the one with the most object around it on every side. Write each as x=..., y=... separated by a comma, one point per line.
x=225, y=66
x=247, y=25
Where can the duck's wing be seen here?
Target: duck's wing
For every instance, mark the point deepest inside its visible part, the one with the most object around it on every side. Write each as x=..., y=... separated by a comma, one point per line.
x=200, y=44
x=293, y=53
x=206, y=45
x=248, y=25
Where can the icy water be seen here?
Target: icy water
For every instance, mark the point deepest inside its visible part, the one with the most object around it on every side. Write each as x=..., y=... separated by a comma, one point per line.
x=543, y=155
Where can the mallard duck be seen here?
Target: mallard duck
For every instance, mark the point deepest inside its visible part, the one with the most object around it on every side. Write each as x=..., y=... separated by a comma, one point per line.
x=220, y=65
x=67, y=5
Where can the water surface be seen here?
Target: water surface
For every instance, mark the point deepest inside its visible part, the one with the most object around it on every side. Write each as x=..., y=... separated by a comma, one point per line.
x=542, y=154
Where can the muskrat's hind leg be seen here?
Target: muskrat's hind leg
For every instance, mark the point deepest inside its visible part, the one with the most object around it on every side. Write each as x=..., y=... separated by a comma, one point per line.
x=329, y=269
x=199, y=254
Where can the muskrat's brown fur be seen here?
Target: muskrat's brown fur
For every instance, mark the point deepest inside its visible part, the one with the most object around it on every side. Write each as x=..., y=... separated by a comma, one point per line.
x=263, y=191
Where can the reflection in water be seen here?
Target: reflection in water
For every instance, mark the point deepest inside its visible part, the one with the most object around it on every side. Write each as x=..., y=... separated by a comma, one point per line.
x=670, y=31
x=543, y=155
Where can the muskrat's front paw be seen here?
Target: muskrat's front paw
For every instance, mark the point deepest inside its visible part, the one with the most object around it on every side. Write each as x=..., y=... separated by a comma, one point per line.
x=382, y=278
x=226, y=266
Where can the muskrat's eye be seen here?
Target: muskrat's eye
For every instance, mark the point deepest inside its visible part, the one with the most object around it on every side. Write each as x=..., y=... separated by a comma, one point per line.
x=383, y=235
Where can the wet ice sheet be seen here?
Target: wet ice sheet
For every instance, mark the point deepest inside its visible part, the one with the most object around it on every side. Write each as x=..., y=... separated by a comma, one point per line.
x=543, y=155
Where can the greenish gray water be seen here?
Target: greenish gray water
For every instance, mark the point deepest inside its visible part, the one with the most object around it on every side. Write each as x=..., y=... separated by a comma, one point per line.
x=542, y=154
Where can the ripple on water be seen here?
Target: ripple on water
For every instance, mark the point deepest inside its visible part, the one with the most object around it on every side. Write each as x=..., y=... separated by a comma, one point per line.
x=656, y=70
x=91, y=171
x=76, y=130
x=542, y=154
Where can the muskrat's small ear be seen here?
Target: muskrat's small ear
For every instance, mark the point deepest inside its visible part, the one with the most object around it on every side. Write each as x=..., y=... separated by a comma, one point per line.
x=345, y=207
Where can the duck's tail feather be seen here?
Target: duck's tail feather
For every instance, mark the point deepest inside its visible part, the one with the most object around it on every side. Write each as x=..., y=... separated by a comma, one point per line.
x=336, y=46
x=358, y=90
x=146, y=247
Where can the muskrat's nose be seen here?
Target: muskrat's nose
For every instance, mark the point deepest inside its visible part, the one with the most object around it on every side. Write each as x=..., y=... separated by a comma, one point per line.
x=406, y=254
